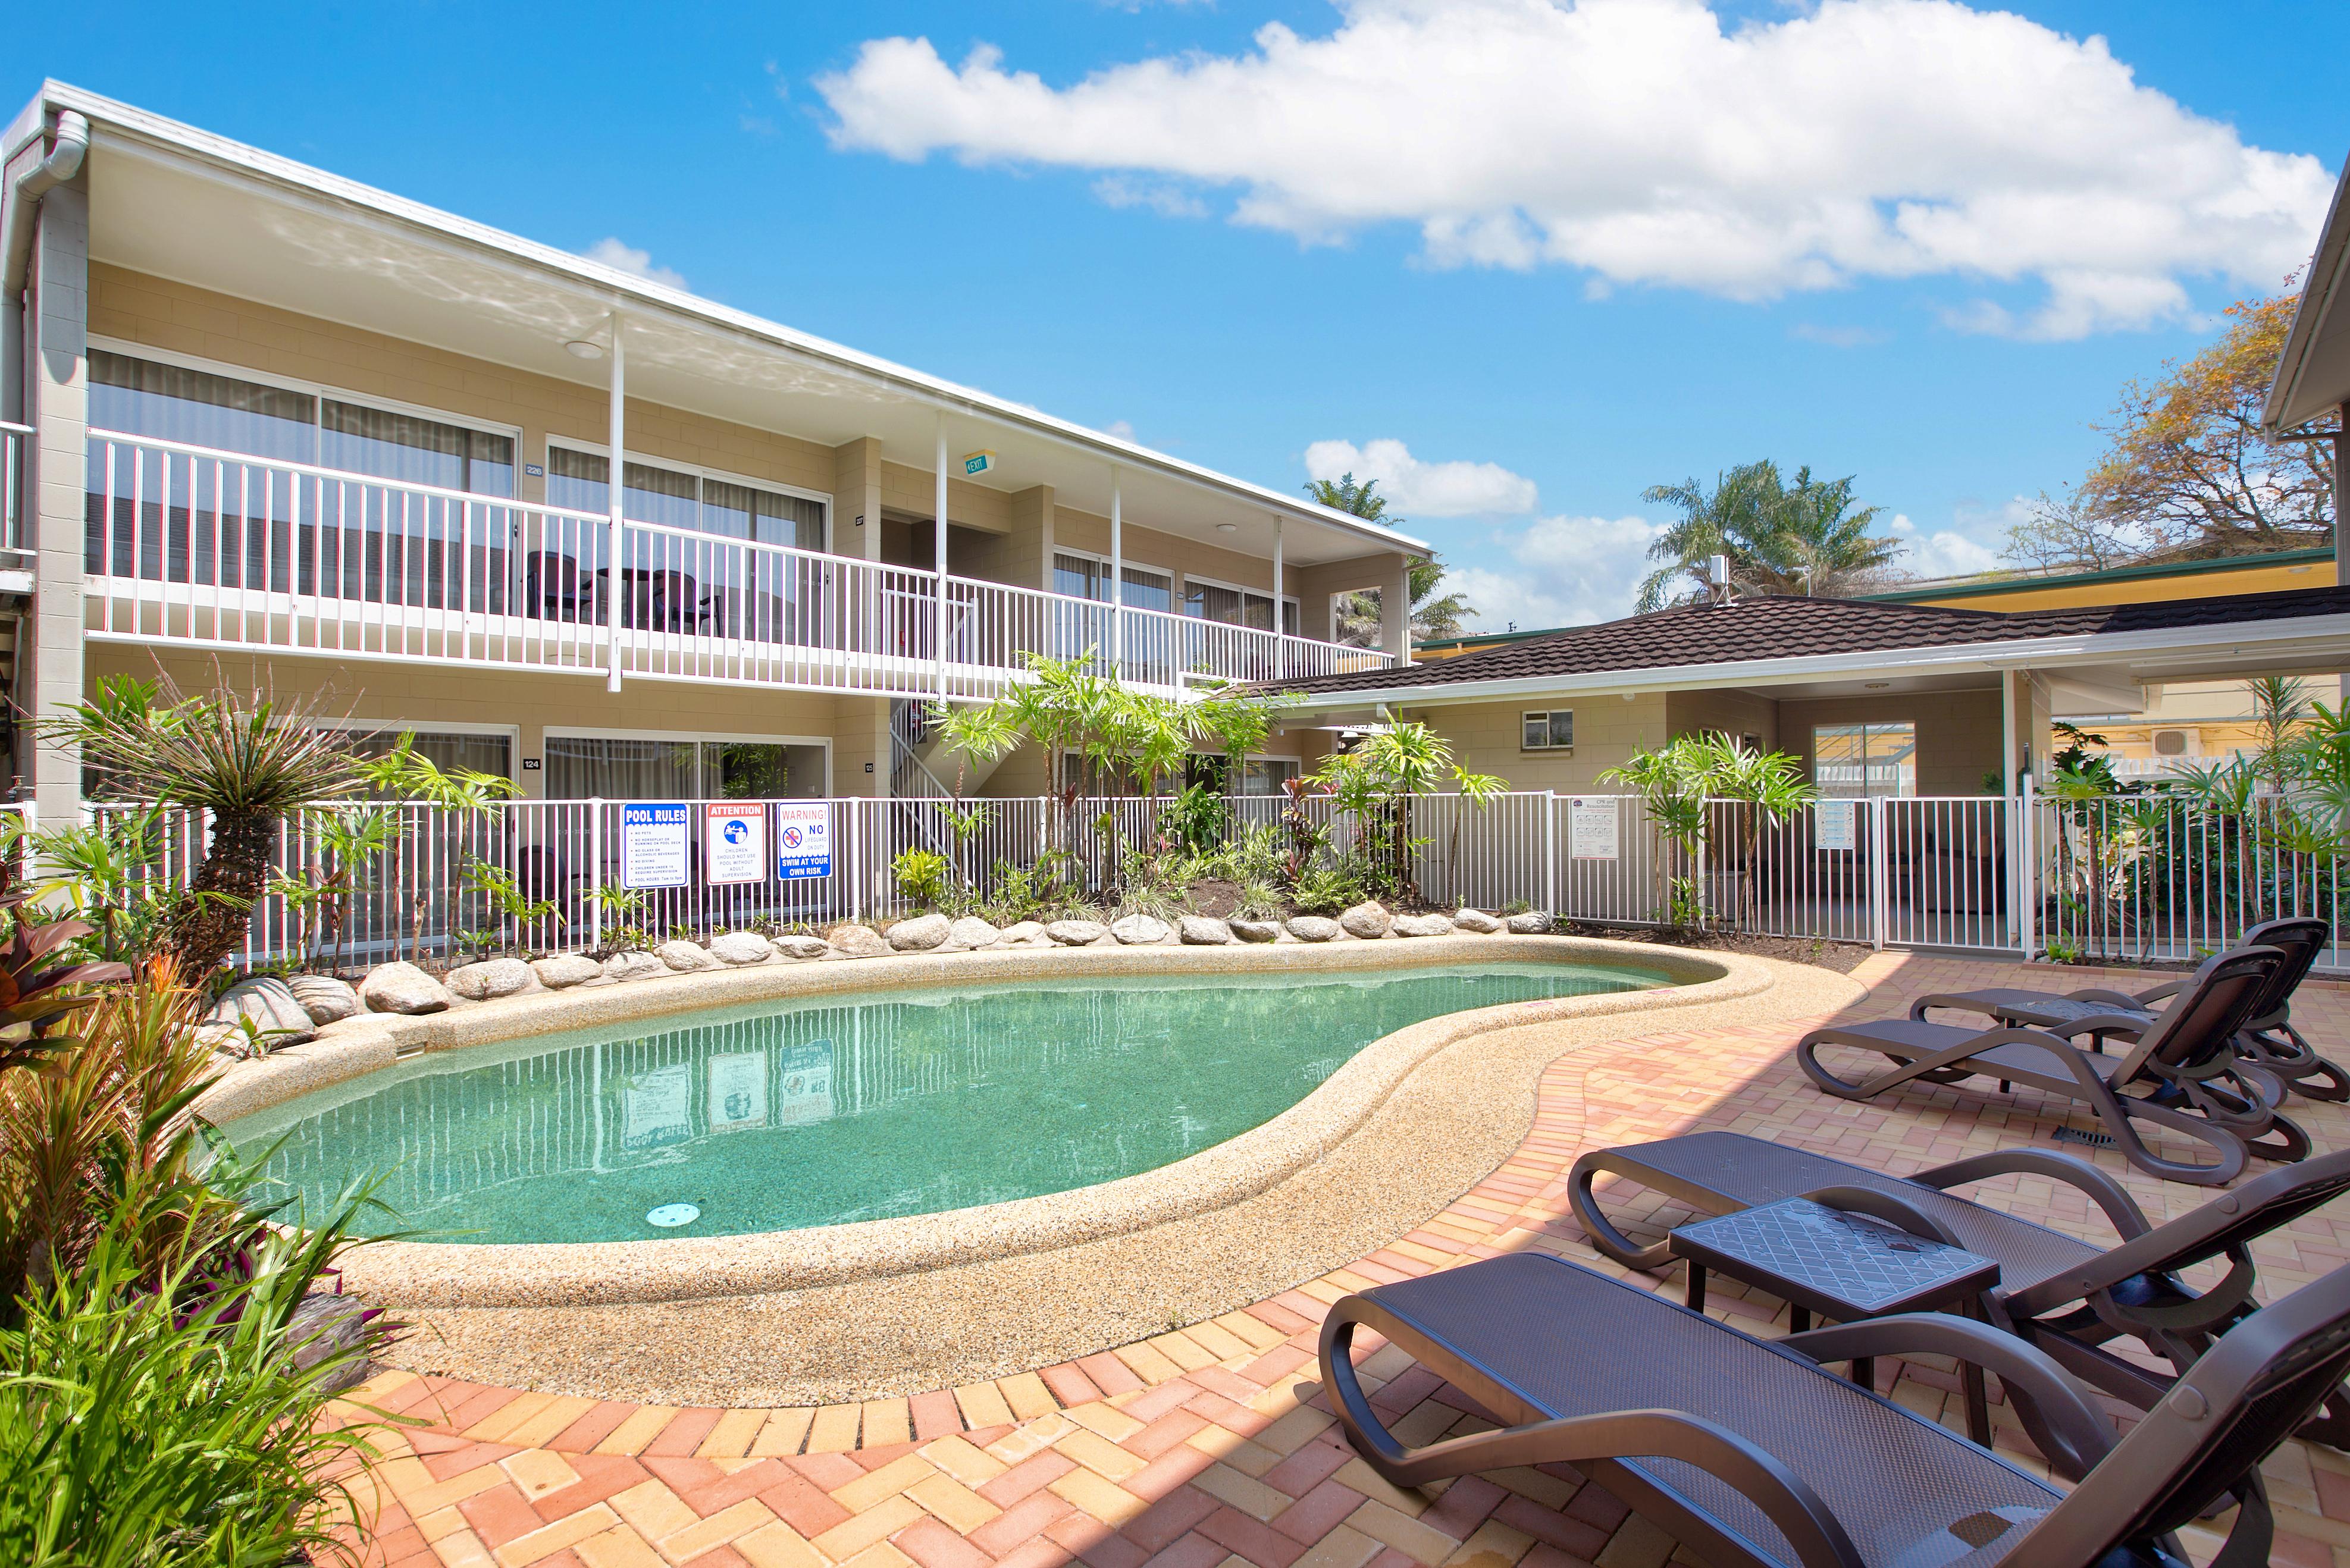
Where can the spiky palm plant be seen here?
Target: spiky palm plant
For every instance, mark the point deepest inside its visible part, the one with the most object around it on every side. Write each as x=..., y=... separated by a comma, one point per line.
x=249, y=762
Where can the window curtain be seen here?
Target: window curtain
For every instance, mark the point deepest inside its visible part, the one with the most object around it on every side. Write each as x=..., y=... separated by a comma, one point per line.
x=583, y=767
x=448, y=750
x=410, y=450
x=138, y=396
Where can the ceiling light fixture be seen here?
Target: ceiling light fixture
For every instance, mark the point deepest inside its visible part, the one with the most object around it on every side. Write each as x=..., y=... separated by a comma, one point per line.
x=1228, y=527
x=584, y=348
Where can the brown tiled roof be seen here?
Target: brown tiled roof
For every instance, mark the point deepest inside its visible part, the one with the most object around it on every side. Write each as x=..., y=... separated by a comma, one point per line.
x=1777, y=628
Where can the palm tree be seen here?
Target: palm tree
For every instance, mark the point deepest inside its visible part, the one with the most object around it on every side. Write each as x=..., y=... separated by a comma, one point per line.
x=1821, y=545
x=1359, y=613
x=1802, y=538
x=1723, y=521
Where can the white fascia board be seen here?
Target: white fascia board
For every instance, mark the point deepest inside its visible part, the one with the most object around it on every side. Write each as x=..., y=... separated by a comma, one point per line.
x=251, y=162
x=2318, y=293
x=2033, y=652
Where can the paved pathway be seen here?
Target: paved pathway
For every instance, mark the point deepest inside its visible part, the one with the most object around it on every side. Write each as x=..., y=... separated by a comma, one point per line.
x=1207, y=1448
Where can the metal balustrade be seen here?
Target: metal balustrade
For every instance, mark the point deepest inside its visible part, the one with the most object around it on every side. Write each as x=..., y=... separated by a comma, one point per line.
x=193, y=545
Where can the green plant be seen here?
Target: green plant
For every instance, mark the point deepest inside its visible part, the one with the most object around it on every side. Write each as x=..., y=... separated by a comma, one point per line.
x=2056, y=950
x=42, y=981
x=1676, y=780
x=1683, y=908
x=1197, y=820
x=1377, y=783
x=921, y=877
x=405, y=773
x=503, y=889
x=109, y=872
x=346, y=843
x=617, y=908
x=684, y=931
x=1326, y=889
x=1260, y=900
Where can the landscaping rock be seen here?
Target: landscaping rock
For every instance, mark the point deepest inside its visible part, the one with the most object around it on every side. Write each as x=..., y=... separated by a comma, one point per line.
x=739, y=948
x=1256, y=931
x=1139, y=930
x=686, y=958
x=1369, y=921
x=1532, y=923
x=1076, y=933
x=858, y=941
x=490, y=980
x=325, y=999
x=1201, y=932
x=633, y=966
x=1314, y=927
x=1423, y=924
x=325, y=1323
x=801, y=946
x=920, y=934
x=270, y=1005
x=971, y=931
x=1025, y=934
x=564, y=970
x=1476, y=920
x=403, y=988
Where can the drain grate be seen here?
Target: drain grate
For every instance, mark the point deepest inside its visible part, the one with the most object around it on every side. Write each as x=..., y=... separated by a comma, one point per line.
x=2074, y=1134
x=669, y=1216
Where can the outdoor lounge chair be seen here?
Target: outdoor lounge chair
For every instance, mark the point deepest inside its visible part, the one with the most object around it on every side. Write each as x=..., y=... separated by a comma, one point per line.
x=2184, y=1063
x=1754, y=1455
x=2067, y=1296
x=2268, y=1040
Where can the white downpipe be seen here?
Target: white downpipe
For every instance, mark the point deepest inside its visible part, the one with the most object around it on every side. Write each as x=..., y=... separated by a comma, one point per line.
x=2027, y=872
x=939, y=552
x=616, y=485
x=70, y=141
x=1117, y=575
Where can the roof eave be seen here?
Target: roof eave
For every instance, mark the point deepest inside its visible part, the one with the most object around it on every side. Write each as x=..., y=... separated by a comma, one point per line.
x=2286, y=407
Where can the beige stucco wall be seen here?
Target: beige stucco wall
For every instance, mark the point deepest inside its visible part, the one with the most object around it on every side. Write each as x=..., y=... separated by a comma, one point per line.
x=1733, y=713
x=1485, y=737
x=424, y=695
x=1958, y=731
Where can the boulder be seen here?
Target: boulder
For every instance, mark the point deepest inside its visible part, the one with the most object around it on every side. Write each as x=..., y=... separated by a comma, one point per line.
x=858, y=941
x=1532, y=923
x=1025, y=934
x=920, y=934
x=1477, y=921
x=686, y=958
x=1423, y=924
x=269, y=1006
x=325, y=999
x=403, y=988
x=1314, y=927
x=801, y=946
x=1139, y=930
x=326, y=1322
x=1076, y=933
x=971, y=931
x=1256, y=931
x=736, y=949
x=633, y=966
x=1201, y=932
x=490, y=980
x=1367, y=921
x=564, y=970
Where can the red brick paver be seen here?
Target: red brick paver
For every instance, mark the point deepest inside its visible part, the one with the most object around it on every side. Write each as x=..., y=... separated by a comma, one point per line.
x=1209, y=1446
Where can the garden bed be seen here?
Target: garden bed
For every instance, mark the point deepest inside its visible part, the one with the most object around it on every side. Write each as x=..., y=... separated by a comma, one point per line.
x=1842, y=958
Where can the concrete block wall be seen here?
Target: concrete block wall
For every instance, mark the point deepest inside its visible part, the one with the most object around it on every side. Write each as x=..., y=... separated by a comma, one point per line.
x=1488, y=738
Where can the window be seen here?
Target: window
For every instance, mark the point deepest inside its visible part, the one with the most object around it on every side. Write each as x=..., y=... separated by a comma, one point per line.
x=626, y=767
x=1865, y=759
x=1267, y=776
x=1221, y=602
x=1552, y=730
x=451, y=751
x=686, y=498
x=1087, y=577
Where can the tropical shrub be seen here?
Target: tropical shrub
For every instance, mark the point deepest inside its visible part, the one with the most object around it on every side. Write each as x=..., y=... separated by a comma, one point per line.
x=1677, y=780
x=921, y=877
x=1375, y=783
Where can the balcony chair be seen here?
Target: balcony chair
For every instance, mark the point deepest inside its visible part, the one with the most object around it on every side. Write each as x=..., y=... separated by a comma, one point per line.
x=550, y=585
x=2268, y=1040
x=2067, y=1296
x=1755, y=1456
x=2184, y=1068
x=652, y=598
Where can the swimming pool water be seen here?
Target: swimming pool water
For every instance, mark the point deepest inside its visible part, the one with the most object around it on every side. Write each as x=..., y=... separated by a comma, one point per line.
x=840, y=1108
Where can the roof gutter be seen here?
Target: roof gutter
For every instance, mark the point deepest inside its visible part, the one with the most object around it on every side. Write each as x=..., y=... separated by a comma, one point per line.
x=2309, y=314
x=70, y=143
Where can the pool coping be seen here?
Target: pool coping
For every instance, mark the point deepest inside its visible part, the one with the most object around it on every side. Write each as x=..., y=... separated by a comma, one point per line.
x=571, y=1274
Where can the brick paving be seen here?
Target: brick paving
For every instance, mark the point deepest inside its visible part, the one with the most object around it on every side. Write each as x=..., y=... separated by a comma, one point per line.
x=1208, y=1446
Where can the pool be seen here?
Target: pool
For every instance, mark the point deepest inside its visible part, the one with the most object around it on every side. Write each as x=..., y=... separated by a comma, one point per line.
x=835, y=1109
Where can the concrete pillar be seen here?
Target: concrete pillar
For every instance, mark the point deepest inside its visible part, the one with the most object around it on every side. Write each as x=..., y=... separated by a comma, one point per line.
x=57, y=396
x=1394, y=610
x=857, y=499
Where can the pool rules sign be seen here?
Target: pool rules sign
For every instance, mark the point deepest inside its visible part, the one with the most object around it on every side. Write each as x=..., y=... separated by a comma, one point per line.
x=803, y=840
x=733, y=841
x=653, y=844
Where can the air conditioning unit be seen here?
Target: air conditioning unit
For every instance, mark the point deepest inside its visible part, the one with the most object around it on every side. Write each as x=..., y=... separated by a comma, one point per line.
x=2174, y=743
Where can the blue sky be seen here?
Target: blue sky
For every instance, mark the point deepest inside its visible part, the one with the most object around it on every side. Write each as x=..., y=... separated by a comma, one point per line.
x=1544, y=256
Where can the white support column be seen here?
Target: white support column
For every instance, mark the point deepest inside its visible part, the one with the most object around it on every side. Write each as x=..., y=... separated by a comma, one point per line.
x=939, y=552
x=57, y=372
x=616, y=485
x=2013, y=809
x=1117, y=575
x=1279, y=625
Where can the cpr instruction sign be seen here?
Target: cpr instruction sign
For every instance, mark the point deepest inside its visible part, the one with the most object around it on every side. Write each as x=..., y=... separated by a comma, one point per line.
x=803, y=840
x=653, y=844
x=1591, y=828
x=733, y=841
x=1836, y=825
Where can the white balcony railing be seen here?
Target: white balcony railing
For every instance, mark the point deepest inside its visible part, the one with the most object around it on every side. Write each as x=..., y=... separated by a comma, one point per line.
x=13, y=441
x=187, y=545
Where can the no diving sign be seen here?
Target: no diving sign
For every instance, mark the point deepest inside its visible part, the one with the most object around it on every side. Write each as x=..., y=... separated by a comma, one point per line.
x=803, y=840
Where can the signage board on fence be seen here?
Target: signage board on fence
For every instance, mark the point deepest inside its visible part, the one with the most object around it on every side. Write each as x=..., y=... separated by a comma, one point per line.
x=1836, y=825
x=1591, y=828
x=653, y=851
x=733, y=841
x=803, y=840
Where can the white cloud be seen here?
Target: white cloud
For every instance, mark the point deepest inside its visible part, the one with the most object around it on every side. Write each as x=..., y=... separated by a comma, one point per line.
x=1416, y=489
x=616, y=253
x=1167, y=201
x=1563, y=571
x=1838, y=336
x=1640, y=142
x=1954, y=552
x=1121, y=428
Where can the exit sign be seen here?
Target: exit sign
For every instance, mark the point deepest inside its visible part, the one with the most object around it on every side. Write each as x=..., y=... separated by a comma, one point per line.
x=978, y=462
